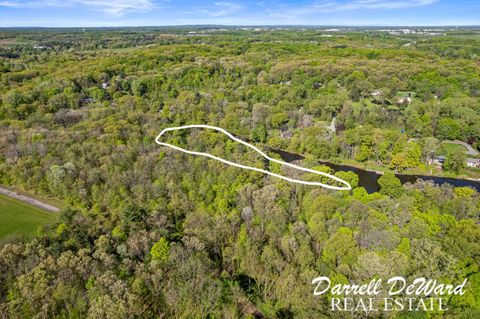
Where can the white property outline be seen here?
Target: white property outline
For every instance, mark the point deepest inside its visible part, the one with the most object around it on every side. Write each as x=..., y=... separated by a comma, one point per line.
x=177, y=128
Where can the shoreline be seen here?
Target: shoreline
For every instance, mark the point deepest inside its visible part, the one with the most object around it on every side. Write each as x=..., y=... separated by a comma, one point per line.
x=405, y=173
x=359, y=166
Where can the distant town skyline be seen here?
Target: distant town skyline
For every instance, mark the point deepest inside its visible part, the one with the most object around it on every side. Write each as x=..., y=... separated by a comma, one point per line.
x=97, y=13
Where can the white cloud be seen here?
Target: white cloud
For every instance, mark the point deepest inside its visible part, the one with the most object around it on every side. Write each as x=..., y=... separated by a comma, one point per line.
x=334, y=6
x=33, y=3
x=114, y=7
x=221, y=8
x=118, y=7
x=385, y=4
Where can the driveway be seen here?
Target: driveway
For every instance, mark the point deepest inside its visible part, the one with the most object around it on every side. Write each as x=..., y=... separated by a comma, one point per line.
x=29, y=200
x=471, y=150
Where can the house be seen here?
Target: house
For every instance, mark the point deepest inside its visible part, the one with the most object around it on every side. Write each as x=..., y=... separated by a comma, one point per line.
x=104, y=85
x=405, y=97
x=41, y=47
x=404, y=100
x=473, y=162
x=286, y=134
x=378, y=97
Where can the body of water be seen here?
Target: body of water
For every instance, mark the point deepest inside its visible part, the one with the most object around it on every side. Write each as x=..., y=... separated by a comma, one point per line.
x=369, y=179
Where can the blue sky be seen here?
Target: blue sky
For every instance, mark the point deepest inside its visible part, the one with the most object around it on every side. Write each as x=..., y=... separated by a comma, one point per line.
x=89, y=13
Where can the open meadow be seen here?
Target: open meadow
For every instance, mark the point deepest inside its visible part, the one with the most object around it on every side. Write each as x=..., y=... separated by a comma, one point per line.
x=18, y=218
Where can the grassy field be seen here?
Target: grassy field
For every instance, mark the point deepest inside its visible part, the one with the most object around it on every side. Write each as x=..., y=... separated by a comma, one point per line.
x=17, y=218
x=451, y=148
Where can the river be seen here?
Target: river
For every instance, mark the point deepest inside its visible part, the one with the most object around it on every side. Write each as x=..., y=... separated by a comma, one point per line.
x=369, y=179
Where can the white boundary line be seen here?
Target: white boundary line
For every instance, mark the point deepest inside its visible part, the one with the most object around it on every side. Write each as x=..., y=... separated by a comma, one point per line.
x=177, y=128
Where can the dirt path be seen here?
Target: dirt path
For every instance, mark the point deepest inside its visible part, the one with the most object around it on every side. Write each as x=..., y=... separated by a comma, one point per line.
x=28, y=200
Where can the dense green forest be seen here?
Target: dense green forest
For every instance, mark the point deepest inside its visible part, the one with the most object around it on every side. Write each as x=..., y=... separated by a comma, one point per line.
x=148, y=232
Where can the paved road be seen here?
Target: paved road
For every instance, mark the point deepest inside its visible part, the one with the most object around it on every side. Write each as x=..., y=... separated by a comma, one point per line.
x=471, y=150
x=28, y=200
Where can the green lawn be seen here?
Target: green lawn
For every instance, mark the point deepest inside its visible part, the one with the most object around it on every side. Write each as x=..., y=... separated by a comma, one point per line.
x=452, y=148
x=18, y=218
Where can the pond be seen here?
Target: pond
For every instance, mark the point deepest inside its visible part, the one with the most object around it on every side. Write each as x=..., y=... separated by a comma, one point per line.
x=369, y=179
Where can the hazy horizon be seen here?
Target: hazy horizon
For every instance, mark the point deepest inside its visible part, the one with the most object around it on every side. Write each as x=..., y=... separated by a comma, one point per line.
x=309, y=26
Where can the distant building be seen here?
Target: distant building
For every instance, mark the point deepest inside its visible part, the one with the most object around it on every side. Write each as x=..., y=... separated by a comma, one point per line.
x=286, y=134
x=473, y=162
x=40, y=47
x=403, y=100
x=405, y=97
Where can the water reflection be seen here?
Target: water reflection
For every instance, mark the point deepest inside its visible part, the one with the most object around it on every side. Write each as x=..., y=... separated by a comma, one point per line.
x=369, y=180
